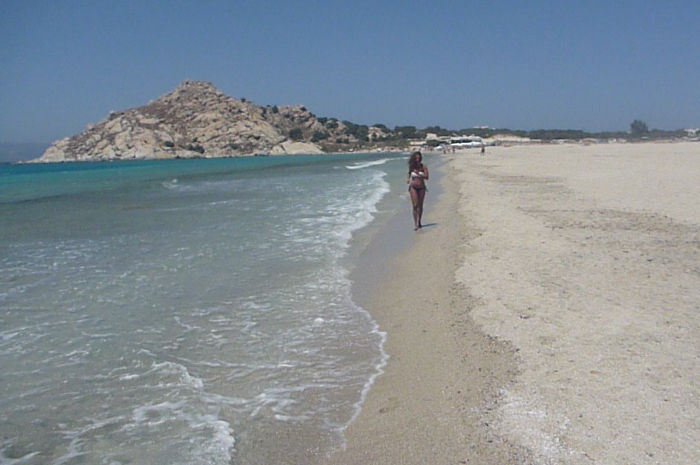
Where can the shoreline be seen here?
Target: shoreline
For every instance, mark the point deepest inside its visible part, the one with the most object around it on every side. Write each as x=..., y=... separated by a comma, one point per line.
x=370, y=150
x=549, y=314
x=429, y=404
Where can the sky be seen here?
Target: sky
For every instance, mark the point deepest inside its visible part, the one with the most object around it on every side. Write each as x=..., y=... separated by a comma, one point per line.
x=591, y=65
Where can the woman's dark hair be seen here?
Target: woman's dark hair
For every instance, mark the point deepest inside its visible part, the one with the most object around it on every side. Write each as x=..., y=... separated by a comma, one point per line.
x=413, y=163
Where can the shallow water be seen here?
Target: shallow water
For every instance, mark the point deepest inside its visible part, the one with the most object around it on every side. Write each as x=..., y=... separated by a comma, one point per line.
x=183, y=311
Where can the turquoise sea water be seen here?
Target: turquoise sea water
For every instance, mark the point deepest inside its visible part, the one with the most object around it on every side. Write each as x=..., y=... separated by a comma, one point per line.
x=185, y=311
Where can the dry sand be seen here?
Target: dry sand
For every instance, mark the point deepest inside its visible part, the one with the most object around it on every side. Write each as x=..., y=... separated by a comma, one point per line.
x=589, y=264
x=550, y=315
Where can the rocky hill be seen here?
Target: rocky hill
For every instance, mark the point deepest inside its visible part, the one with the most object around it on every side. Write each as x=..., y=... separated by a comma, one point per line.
x=197, y=120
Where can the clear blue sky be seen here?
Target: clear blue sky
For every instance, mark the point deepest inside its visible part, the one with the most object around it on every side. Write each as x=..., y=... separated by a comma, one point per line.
x=592, y=65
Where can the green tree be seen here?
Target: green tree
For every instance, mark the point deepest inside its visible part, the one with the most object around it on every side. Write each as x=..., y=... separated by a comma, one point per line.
x=550, y=134
x=350, y=128
x=437, y=130
x=639, y=128
x=295, y=134
x=319, y=135
x=195, y=148
x=406, y=132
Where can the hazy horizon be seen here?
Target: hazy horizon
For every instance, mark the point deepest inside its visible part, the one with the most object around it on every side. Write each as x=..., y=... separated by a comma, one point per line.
x=542, y=65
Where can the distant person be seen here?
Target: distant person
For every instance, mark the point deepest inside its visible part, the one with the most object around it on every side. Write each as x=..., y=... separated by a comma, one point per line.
x=417, y=175
x=483, y=149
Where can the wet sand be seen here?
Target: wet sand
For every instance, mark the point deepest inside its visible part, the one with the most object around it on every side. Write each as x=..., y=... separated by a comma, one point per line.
x=443, y=374
x=550, y=313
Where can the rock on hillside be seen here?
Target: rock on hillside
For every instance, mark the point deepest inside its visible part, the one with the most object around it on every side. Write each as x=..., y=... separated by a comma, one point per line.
x=196, y=120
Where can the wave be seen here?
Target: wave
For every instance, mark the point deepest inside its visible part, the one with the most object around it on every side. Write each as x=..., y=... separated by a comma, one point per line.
x=172, y=184
x=249, y=357
x=366, y=164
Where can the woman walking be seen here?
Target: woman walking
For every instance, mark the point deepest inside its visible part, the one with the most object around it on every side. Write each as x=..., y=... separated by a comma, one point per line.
x=417, y=175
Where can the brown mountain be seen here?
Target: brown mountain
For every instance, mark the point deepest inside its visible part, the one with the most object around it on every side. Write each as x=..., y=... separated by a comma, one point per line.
x=197, y=120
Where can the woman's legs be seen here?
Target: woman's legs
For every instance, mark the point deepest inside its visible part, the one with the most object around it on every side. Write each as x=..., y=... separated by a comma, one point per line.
x=415, y=196
x=421, y=197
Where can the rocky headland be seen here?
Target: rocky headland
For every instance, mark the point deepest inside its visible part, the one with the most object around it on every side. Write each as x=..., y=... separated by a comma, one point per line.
x=196, y=120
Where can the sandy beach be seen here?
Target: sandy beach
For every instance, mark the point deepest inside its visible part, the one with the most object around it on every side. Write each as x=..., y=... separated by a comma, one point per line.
x=548, y=313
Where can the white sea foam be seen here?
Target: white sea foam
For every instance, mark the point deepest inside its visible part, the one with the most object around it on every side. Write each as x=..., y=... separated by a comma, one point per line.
x=378, y=370
x=155, y=414
x=214, y=301
x=172, y=184
x=5, y=460
x=180, y=371
x=212, y=439
x=367, y=164
x=221, y=447
x=185, y=325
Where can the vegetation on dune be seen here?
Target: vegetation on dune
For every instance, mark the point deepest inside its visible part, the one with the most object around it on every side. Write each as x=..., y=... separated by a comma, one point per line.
x=639, y=128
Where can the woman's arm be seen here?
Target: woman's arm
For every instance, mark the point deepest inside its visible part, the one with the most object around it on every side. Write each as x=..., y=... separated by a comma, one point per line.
x=425, y=170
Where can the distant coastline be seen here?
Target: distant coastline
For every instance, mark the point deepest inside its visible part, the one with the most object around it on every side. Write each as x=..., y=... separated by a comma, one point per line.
x=196, y=120
x=27, y=157
x=11, y=152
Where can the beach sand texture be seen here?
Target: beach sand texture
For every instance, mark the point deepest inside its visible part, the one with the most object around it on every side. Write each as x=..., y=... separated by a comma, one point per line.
x=550, y=315
x=443, y=373
x=589, y=264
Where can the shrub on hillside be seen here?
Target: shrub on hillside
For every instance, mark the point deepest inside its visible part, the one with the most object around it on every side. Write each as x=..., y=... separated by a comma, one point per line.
x=296, y=134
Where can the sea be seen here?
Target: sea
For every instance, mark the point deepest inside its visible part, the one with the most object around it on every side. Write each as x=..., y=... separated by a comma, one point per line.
x=187, y=311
